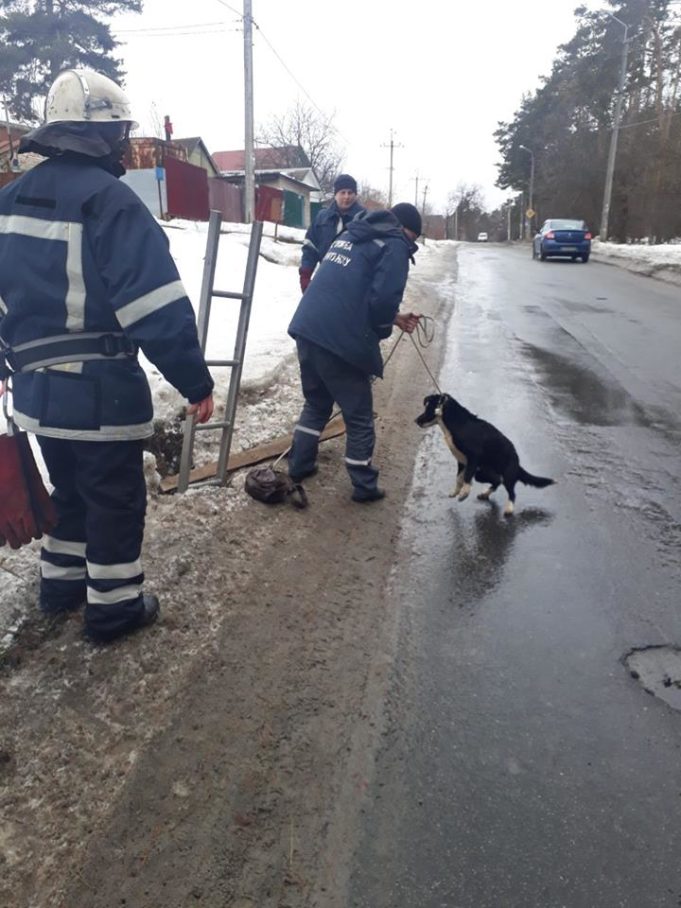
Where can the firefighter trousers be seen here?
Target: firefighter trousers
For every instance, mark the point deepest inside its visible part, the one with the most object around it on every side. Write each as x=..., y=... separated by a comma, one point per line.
x=326, y=378
x=93, y=554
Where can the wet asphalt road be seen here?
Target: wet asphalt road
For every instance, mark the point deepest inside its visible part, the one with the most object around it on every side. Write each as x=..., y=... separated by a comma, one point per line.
x=522, y=766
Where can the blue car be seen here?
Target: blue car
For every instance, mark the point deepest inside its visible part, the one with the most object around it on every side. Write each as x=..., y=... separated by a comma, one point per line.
x=560, y=237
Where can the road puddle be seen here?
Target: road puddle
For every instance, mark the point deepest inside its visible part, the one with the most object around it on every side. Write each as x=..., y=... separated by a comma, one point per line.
x=658, y=671
x=587, y=393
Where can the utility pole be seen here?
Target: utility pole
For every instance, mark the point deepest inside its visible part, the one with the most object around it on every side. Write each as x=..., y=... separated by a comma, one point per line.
x=610, y=173
x=521, y=219
x=425, y=194
x=509, y=208
x=456, y=221
x=9, y=135
x=249, y=175
x=531, y=154
x=392, y=145
x=416, y=192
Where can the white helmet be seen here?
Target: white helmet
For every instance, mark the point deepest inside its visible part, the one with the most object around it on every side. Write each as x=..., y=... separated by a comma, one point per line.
x=86, y=96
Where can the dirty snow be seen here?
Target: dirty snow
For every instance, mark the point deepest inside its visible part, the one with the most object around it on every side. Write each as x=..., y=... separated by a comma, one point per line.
x=662, y=261
x=270, y=397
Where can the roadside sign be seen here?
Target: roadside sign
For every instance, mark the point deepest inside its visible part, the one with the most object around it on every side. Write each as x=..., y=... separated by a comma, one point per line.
x=530, y=213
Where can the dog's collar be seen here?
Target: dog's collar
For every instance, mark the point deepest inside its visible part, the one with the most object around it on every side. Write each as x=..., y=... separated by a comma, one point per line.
x=438, y=411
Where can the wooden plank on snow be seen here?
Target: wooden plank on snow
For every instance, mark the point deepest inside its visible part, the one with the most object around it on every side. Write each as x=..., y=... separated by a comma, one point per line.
x=252, y=456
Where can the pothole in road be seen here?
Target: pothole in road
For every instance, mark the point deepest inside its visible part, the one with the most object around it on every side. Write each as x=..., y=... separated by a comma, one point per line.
x=658, y=671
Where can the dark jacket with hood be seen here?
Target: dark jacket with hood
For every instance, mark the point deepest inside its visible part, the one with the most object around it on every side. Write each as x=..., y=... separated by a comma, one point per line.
x=329, y=223
x=353, y=300
x=81, y=255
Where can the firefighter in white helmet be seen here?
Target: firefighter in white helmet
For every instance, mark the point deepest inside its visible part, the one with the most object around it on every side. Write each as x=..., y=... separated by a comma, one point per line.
x=86, y=281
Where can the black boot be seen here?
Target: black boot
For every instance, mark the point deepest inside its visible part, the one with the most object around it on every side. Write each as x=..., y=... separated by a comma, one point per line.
x=365, y=495
x=298, y=477
x=150, y=612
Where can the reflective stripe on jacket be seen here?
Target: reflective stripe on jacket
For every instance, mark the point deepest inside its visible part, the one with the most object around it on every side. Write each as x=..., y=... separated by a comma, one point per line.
x=79, y=252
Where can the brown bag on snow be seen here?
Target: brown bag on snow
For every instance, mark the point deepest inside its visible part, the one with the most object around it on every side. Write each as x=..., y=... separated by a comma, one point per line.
x=273, y=487
x=26, y=509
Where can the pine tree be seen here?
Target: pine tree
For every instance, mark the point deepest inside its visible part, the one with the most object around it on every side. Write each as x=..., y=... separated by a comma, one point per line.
x=41, y=37
x=568, y=123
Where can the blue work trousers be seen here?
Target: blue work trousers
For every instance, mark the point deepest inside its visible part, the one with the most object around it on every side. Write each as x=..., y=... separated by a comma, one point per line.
x=93, y=554
x=327, y=378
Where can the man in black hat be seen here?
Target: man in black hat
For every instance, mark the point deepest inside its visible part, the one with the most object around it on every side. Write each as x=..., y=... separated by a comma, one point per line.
x=328, y=224
x=351, y=305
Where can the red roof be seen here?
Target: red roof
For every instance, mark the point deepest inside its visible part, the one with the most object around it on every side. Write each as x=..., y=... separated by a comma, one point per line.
x=229, y=160
x=265, y=158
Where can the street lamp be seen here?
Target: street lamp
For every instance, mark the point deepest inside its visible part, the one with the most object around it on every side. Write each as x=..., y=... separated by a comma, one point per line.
x=607, y=194
x=531, y=154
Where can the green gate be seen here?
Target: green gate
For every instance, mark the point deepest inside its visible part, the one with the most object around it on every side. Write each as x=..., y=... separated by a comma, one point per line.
x=293, y=209
x=315, y=208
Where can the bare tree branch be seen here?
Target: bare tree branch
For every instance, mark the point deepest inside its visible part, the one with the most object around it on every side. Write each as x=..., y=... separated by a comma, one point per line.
x=301, y=126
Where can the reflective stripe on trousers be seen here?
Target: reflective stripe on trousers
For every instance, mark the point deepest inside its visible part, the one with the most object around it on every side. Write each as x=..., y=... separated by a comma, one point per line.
x=326, y=378
x=94, y=551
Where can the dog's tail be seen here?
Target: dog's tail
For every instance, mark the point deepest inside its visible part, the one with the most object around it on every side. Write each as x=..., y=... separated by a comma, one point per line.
x=539, y=482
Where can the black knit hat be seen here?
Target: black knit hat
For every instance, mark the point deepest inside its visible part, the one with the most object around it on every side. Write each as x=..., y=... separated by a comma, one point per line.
x=344, y=181
x=408, y=216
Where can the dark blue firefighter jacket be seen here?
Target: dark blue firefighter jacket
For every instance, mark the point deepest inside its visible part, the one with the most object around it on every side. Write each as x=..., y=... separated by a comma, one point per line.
x=329, y=223
x=79, y=252
x=353, y=300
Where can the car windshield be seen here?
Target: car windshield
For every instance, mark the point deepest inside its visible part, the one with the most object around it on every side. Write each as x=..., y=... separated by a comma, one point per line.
x=565, y=225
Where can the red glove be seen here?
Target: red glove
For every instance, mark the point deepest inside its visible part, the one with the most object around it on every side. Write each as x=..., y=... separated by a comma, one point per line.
x=305, y=278
x=26, y=510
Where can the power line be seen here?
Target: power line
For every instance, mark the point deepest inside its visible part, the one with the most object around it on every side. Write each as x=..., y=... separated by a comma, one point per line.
x=296, y=80
x=647, y=122
x=231, y=8
x=177, y=34
x=204, y=28
x=167, y=28
x=279, y=58
x=287, y=68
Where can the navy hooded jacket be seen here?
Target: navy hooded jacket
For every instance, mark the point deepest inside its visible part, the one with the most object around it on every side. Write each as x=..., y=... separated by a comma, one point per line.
x=80, y=253
x=353, y=300
x=329, y=223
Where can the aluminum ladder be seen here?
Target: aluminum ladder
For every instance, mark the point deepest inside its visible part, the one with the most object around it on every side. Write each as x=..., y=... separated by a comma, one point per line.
x=208, y=293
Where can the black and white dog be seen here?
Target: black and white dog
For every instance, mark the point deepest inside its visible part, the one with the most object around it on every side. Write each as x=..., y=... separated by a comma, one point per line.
x=481, y=450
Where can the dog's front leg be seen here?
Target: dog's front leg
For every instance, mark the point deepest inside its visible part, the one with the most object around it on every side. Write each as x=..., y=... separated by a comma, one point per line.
x=459, y=481
x=468, y=474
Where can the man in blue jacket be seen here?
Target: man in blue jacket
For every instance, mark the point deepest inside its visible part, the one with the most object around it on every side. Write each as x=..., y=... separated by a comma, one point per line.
x=350, y=306
x=87, y=280
x=329, y=223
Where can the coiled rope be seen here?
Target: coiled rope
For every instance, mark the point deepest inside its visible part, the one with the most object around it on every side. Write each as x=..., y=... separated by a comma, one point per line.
x=425, y=334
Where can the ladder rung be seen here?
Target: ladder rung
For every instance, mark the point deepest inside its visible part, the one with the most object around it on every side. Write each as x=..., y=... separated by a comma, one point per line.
x=218, y=424
x=225, y=424
x=229, y=295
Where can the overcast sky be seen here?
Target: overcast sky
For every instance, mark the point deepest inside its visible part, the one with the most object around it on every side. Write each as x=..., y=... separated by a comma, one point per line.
x=439, y=73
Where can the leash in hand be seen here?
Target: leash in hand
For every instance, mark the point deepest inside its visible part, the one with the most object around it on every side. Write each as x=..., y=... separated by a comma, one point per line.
x=425, y=334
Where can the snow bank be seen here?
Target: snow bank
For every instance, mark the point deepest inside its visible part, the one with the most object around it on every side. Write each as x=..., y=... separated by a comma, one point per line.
x=661, y=261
